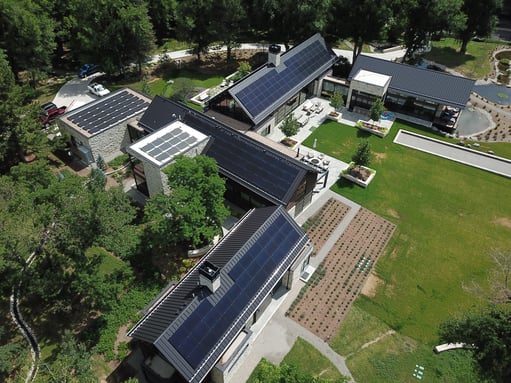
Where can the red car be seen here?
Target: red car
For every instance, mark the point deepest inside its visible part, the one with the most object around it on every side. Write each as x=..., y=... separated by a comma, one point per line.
x=50, y=115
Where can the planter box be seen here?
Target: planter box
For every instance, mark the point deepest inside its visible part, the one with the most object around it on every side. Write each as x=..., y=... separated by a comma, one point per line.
x=377, y=130
x=345, y=174
x=334, y=117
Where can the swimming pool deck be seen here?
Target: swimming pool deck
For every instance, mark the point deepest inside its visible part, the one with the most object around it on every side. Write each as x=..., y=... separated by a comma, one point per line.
x=470, y=157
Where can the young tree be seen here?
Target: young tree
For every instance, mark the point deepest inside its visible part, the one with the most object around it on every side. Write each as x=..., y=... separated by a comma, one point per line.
x=481, y=18
x=193, y=212
x=337, y=100
x=290, y=125
x=489, y=333
x=376, y=110
x=362, y=155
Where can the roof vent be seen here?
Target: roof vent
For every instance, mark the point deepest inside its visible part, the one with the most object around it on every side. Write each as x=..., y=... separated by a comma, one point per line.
x=209, y=276
x=274, y=55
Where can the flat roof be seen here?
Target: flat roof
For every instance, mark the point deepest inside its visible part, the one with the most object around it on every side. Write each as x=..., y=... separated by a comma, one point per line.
x=193, y=327
x=258, y=167
x=372, y=78
x=414, y=81
x=268, y=87
x=100, y=115
x=162, y=146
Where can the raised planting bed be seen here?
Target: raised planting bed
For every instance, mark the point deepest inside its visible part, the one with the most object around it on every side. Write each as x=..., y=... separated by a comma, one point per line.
x=334, y=116
x=289, y=142
x=373, y=128
x=361, y=175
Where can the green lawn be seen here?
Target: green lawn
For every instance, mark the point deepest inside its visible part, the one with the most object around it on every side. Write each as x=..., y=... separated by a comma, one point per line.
x=448, y=216
x=308, y=360
x=474, y=64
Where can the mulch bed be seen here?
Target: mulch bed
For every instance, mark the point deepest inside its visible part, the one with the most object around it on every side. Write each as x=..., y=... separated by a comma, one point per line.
x=321, y=225
x=324, y=301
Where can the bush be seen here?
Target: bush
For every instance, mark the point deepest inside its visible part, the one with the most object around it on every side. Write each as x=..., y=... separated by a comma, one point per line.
x=119, y=161
x=183, y=87
x=362, y=154
x=290, y=126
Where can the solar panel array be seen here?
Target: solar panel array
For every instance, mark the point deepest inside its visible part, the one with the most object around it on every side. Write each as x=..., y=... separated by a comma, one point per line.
x=109, y=112
x=250, y=162
x=262, y=93
x=207, y=324
x=168, y=145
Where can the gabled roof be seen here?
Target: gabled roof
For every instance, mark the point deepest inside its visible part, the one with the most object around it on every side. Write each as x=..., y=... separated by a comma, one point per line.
x=410, y=80
x=111, y=110
x=262, y=169
x=191, y=326
x=263, y=91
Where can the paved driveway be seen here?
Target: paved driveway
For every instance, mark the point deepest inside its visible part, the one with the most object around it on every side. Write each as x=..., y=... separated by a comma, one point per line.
x=456, y=153
x=74, y=93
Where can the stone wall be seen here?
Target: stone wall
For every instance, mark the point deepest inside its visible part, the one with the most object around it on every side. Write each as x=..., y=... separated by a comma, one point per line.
x=111, y=143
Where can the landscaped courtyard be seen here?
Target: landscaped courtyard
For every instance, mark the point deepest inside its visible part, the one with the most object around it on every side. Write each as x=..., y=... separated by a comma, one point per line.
x=448, y=217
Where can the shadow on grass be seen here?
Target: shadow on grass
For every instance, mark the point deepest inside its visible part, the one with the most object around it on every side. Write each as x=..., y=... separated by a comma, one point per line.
x=363, y=134
x=449, y=56
x=343, y=183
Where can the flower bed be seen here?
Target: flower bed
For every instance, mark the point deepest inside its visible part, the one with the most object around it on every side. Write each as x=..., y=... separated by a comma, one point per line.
x=380, y=131
x=361, y=175
x=333, y=115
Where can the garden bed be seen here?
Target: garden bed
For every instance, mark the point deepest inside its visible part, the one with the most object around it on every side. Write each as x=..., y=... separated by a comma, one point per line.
x=373, y=128
x=324, y=301
x=322, y=224
x=361, y=175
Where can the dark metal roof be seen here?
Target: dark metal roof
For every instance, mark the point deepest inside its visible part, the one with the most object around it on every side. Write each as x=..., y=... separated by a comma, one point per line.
x=193, y=327
x=427, y=84
x=267, y=88
x=263, y=170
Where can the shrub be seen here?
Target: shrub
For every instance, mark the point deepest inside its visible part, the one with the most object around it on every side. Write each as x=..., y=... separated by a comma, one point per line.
x=290, y=126
x=362, y=154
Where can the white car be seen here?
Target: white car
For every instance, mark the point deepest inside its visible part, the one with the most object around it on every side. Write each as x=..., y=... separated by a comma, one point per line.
x=98, y=89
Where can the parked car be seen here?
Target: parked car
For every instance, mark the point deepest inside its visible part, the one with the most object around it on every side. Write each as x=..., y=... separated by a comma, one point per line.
x=50, y=115
x=88, y=69
x=48, y=106
x=98, y=89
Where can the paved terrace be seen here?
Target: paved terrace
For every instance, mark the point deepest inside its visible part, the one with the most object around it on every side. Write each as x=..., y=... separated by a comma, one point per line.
x=470, y=157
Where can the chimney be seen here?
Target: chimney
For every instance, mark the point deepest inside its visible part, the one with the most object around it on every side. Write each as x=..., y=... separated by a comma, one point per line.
x=274, y=55
x=209, y=276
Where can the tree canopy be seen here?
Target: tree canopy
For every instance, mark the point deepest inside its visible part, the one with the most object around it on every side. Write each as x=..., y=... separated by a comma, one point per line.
x=267, y=372
x=362, y=155
x=488, y=332
x=193, y=211
x=290, y=125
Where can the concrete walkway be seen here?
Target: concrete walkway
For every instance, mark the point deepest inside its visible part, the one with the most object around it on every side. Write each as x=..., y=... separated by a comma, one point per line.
x=488, y=162
x=275, y=333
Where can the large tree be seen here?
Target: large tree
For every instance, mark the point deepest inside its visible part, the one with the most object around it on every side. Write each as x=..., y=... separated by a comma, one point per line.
x=163, y=17
x=361, y=21
x=196, y=25
x=481, y=19
x=28, y=36
x=113, y=33
x=193, y=211
x=488, y=334
x=426, y=17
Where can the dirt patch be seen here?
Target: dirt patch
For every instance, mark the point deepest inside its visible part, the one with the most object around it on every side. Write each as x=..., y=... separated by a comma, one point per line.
x=393, y=213
x=372, y=283
x=503, y=221
x=379, y=157
x=323, y=303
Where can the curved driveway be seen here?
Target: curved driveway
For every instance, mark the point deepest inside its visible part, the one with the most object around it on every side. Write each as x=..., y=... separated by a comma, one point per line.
x=74, y=93
x=488, y=162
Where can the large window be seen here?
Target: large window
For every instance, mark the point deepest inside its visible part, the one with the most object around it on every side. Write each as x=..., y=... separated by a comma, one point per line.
x=329, y=88
x=411, y=106
x=362, y=100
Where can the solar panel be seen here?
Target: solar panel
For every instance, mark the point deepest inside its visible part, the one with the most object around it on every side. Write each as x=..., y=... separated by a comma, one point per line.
x=265, y=91
x=208, y=323
x=109, y=112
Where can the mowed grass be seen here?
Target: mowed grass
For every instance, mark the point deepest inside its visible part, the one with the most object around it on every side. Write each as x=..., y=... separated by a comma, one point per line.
x=473, y=64
x=448, y=216
x=307, y=359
